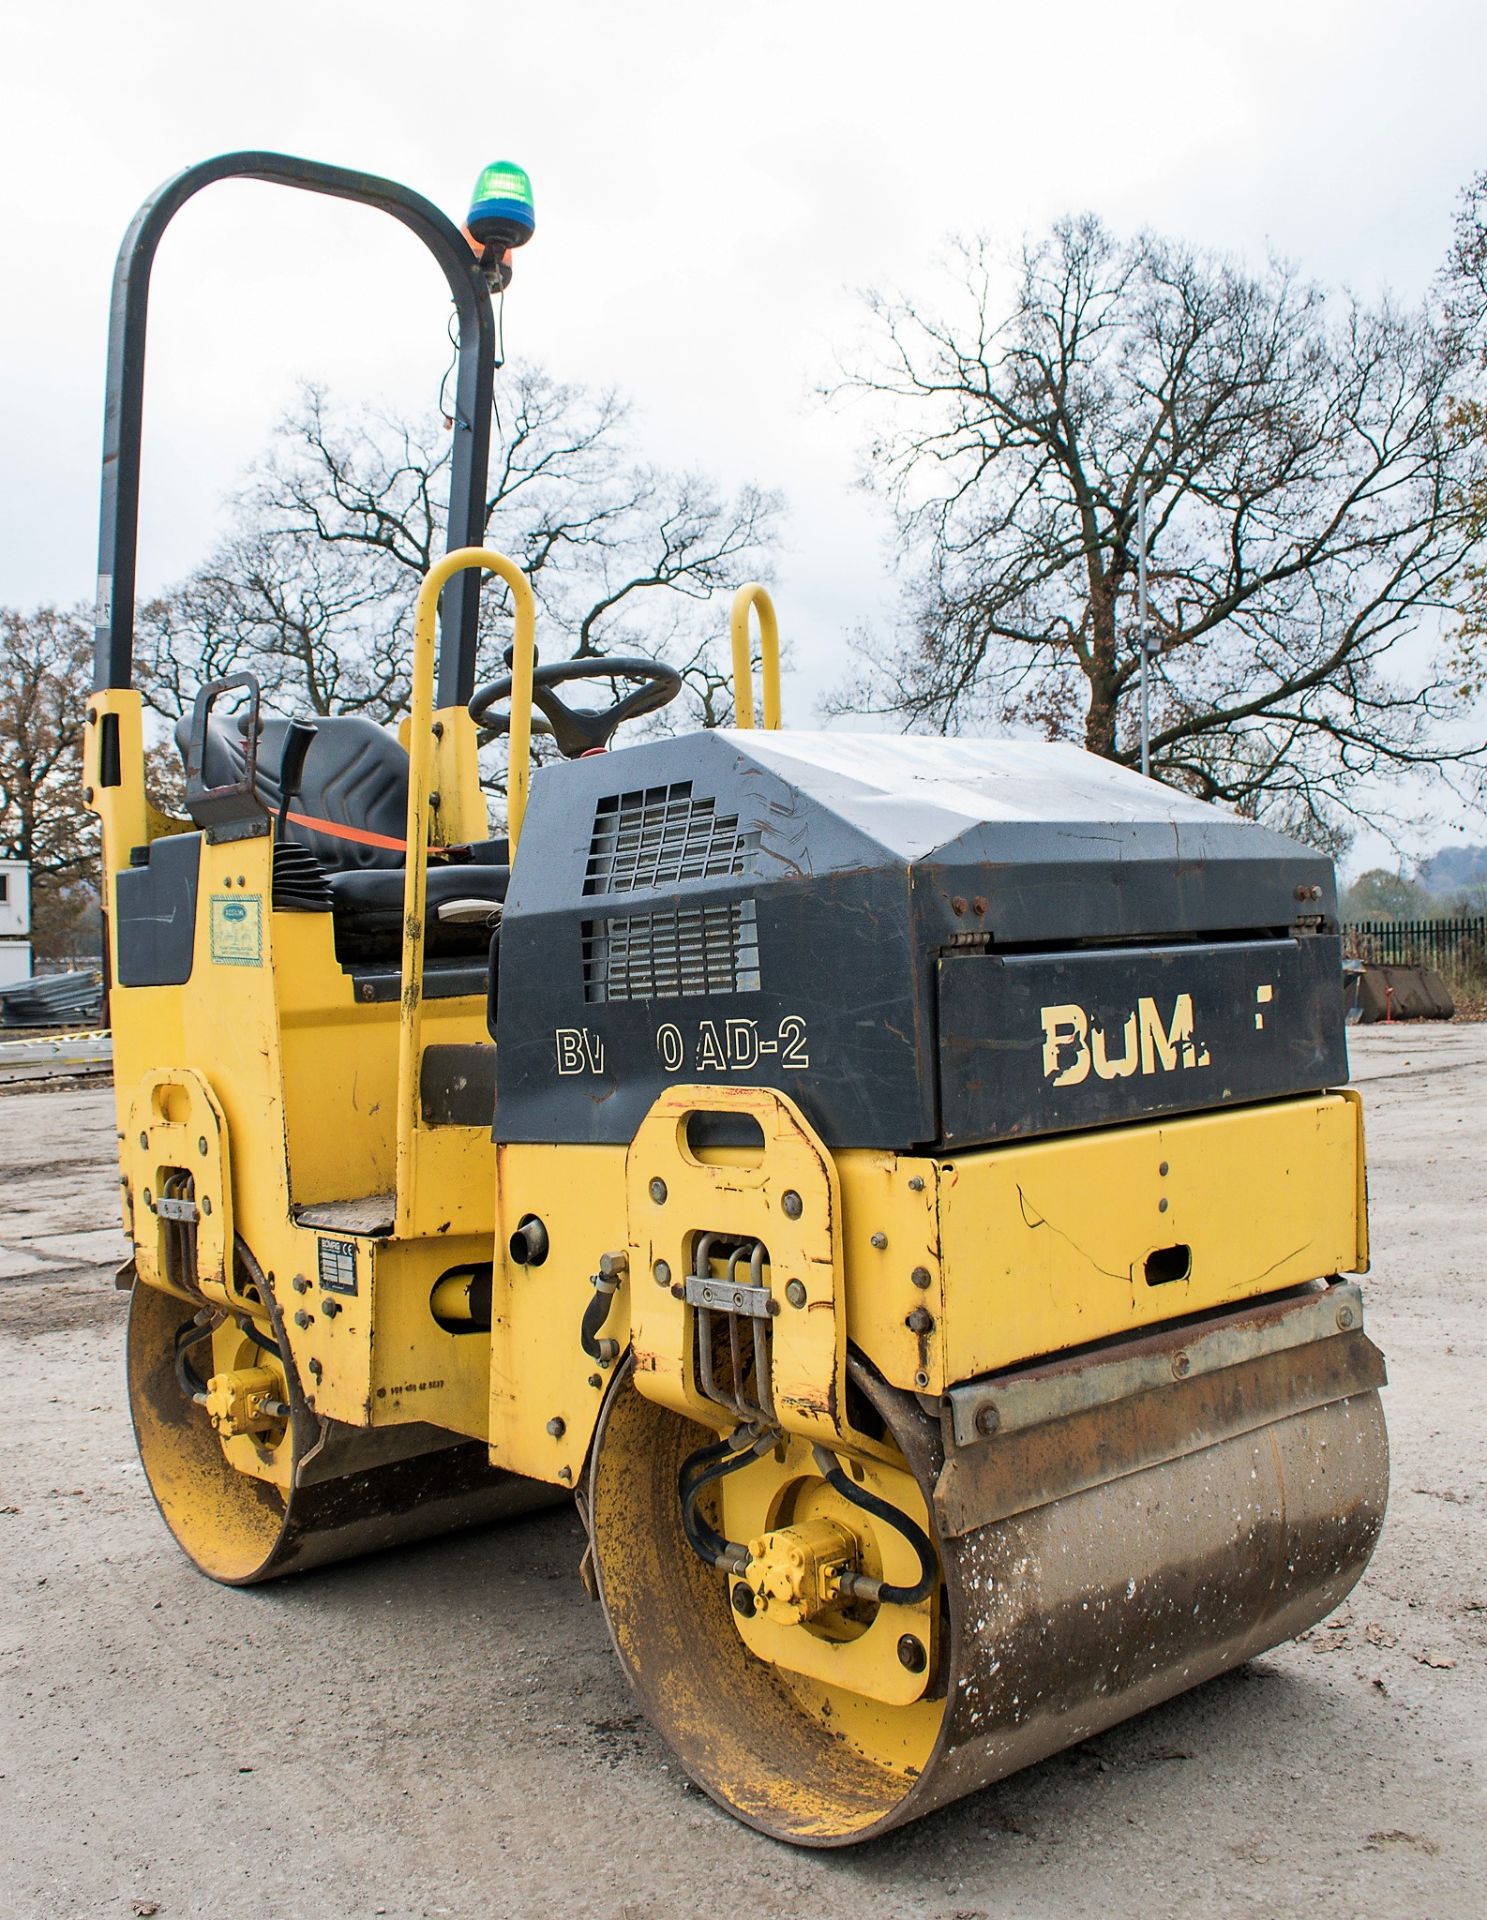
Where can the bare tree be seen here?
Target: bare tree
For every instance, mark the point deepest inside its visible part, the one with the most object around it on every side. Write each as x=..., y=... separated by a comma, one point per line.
x=315, y=586
x=1465, y=273
x=313, y=622
x=46, y=662
x=1303, y=479
x=46, y=668
x=1464, y=286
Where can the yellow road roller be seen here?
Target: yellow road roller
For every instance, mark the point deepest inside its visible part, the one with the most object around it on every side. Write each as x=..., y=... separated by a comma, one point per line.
x=904, y=1190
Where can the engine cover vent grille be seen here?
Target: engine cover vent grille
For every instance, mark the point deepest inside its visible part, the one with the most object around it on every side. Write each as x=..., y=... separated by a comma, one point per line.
x=672, y=955
x=661, y=835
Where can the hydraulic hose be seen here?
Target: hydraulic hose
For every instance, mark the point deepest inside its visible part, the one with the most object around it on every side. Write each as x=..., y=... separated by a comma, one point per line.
x=714, y=1462
x=612, y=1270
x=189, y=1335
x=594, y=1316
x=879, y=1590
x=246, y=1327
x=699, y=1470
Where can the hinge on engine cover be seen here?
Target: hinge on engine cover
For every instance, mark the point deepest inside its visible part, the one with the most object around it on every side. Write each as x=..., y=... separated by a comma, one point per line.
x=707, y=1339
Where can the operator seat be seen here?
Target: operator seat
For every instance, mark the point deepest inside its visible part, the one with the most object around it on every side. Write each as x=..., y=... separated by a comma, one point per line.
x=349, y=812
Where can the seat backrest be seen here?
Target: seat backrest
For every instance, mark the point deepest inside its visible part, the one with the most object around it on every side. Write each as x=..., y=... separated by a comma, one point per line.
x=355, y=781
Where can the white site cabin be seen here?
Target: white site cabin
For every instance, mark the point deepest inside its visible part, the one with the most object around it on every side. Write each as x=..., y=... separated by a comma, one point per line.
x=15, y=923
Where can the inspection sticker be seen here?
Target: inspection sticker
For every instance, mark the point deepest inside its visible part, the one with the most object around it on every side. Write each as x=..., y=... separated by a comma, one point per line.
x=237, y=930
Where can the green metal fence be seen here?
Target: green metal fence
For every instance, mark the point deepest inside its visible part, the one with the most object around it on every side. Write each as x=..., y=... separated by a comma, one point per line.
x=1454, y=946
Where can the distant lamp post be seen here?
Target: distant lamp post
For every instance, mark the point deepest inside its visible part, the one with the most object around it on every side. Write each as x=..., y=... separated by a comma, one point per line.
x=1143, y=630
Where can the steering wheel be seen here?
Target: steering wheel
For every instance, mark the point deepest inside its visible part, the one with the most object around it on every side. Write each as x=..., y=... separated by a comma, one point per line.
x=578, y=731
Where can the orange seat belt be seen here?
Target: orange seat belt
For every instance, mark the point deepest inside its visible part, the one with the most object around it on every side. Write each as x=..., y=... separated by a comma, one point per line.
x=361, y=835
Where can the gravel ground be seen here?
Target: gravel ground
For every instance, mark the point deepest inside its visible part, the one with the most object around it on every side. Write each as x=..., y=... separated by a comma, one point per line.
x=445, y=1731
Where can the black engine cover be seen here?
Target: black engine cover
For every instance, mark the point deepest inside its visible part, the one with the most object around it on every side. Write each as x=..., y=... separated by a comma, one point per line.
x=923, y=942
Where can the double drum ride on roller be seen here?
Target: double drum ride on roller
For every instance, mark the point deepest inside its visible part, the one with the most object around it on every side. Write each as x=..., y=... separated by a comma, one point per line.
x=906, y=1190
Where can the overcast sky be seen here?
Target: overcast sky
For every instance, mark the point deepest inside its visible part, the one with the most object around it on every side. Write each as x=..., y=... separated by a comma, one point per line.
x=714, y=186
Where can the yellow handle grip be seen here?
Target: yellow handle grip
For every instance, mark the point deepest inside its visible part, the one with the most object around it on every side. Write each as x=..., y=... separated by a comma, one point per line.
x=420, y=765
x=523, y=656
x=758, y=598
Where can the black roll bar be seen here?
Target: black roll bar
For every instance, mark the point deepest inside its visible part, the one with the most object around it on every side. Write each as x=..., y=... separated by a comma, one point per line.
x=118, y=531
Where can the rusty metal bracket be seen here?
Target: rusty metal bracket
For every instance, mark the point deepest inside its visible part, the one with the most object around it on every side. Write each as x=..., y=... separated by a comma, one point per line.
x=781, y=1200
x=1031, y=1396
x=175, y=1159
x=1094, y=1419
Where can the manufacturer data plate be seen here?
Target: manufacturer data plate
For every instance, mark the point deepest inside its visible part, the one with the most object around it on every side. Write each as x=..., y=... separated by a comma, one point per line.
x=338, y=1266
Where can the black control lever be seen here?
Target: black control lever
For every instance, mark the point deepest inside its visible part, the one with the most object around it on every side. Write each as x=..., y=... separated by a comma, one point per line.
x=297, y=739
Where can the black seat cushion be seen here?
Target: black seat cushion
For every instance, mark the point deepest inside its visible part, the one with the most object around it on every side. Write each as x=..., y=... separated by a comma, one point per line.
x=368, y=907
x=355, y=779
x=350, y=813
